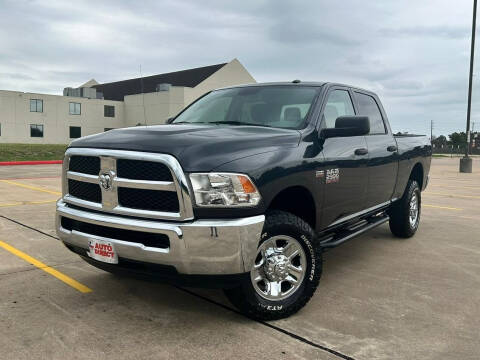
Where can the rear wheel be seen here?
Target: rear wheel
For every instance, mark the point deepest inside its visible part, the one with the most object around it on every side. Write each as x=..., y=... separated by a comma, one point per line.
x=405, y=213
x=286, y=270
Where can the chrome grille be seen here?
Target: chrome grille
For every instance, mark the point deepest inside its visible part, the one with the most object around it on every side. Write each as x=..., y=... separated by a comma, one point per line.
x=126, y=183
x=85, y=164
x=152, y=200
x=85, y=191
x=143, y=170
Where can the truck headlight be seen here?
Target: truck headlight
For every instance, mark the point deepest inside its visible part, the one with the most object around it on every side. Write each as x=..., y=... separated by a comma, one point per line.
x=224, y=190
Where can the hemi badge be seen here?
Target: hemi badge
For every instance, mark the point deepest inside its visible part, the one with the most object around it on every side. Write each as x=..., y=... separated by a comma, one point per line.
x=319, y=174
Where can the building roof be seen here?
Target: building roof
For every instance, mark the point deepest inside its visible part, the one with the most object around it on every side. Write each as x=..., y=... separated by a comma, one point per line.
x=188, y=78
x=89, y=83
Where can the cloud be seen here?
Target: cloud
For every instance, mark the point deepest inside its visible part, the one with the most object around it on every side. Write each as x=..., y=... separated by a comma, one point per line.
x=438, y=31
x=414, y=54
x=294, y=33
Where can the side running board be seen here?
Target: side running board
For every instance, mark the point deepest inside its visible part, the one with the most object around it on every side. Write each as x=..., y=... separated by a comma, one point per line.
x=337, y=238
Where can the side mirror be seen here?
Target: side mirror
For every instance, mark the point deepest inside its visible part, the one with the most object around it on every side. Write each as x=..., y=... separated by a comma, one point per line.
x=348, y=126
x=170, y=120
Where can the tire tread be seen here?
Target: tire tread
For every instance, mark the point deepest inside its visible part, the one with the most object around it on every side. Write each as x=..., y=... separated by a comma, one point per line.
x=399, y=212
x=236, y=296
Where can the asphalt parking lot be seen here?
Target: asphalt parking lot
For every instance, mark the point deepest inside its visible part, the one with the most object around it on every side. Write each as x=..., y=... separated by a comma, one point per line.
x=379, y=298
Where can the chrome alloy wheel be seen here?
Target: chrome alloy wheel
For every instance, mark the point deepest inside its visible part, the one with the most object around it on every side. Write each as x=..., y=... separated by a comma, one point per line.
x=279, y=268
x=413, y=216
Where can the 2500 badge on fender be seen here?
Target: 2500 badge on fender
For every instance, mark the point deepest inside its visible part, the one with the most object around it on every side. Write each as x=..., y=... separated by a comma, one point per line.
x=244, y=190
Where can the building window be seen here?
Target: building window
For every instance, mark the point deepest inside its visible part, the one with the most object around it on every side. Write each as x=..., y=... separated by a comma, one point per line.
x=75, y=108
x=36, y=105
x=36, y=130
x=109, y=111
x=108, y=129
x=75, y=132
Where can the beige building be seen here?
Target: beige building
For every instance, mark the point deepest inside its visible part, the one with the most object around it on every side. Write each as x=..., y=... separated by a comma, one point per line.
x=94, y=107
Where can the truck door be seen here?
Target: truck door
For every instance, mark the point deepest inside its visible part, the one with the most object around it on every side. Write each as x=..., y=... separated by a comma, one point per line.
x=382, y=151
x=345, y=167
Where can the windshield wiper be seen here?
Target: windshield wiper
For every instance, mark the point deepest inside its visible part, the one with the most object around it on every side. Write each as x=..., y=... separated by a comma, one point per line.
x=238, y=123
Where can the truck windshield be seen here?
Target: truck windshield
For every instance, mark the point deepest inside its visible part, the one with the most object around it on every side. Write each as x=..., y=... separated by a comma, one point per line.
x=272, y=106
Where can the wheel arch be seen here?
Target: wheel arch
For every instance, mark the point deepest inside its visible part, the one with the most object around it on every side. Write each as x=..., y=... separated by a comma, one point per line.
x=297, y=200
x=417, y=174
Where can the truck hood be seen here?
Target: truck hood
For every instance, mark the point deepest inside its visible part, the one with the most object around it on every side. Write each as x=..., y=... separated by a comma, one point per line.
x=197, y=147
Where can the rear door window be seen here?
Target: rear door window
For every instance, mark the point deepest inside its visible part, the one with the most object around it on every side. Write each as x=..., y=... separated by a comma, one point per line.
x=367, y=106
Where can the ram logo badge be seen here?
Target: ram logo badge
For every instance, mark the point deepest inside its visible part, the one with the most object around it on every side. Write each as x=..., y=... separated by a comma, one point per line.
x=106, y=180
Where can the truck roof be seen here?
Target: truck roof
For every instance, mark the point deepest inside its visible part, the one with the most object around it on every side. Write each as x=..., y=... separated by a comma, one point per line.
x=296, y=83
x=282, y=83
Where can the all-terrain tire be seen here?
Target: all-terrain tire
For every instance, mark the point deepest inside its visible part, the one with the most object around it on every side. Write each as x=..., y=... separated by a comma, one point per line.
x=247, y=299
x=401, y=221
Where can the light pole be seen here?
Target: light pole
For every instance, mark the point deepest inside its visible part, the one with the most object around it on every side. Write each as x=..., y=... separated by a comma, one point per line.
x=466, y=161
x=431, y=131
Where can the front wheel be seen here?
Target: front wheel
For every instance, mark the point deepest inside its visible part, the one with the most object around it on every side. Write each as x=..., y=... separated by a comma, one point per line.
x=405, y=213
x=286, y=271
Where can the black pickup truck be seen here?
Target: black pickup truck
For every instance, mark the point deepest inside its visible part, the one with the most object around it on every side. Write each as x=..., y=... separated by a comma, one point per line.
x=244, y=189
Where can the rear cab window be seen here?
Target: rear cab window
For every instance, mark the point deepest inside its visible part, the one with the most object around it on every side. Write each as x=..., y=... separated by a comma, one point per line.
x=367, y=106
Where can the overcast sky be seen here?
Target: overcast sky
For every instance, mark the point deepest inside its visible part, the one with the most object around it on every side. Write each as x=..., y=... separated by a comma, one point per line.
x=414, y=54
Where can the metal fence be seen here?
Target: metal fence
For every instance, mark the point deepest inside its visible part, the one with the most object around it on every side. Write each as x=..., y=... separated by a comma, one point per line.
x=454, y=150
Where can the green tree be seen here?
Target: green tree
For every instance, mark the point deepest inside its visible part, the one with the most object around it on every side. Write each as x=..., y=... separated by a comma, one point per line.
x=458, y=138
x=440, y=141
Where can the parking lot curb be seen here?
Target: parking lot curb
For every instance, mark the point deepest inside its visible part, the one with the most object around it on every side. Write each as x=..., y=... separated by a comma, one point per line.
x=40, y=162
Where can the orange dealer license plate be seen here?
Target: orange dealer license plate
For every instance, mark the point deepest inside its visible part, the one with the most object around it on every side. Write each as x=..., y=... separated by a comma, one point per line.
x=102, y=250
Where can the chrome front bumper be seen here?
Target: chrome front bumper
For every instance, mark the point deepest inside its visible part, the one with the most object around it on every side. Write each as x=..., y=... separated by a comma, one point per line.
x=203, y=247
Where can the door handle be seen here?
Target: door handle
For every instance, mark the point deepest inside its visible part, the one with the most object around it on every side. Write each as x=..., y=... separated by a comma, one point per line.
x=392, y=148
x=361, y=151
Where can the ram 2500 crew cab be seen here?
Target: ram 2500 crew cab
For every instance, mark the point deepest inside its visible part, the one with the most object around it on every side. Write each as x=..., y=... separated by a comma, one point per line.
x=244, y=189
